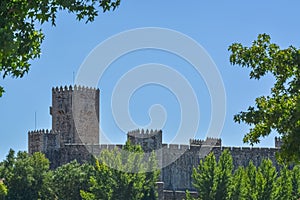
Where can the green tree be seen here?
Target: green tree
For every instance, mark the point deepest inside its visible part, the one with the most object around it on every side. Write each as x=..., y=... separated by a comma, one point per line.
x=283, y=185
x=47, y=191
x=3, y=190
x=6, y=167
x=67, y=180
x=20, y=39
x=279, y=111
x=101, y=184
x=238, y=186
x=216, y=180
x=260, y=182
x=24, y=175
x=123, y=174
x=224, y=175
x=265, y=178
x=204, y=177
x=212, y=179
x=128, y=171
x=251, y=182
x=295, y=179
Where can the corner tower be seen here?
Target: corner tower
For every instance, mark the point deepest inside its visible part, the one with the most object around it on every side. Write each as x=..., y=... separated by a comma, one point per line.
x=75, y=114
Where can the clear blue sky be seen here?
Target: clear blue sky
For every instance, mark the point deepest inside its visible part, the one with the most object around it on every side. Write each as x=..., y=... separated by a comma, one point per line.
x=213, y=24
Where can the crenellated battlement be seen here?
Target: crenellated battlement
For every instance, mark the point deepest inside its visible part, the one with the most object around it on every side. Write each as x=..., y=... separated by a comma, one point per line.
x=148, y=139
x=170, y=147
x=42, y=140
x=75, y=88
x=213, y=141
x=62, y=89
x=95, y=147
x=42, y=132
x=197, y=142
x=208, y=142
x=144, y=133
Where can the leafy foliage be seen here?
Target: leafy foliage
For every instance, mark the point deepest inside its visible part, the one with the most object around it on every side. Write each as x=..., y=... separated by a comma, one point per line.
x=28, y=177
x=123, y=174
x=251, y=182
x=69, y=179
x=217, y=180
x=3, y=190
x=212, y=179
x=204, y=177
x=238, y=188
x=224, y=175
x=20, y=40
x=24, y=175
x=266, y=176
x=101, y=184
x=279, y=111
x=295, y=179
x=283, y=185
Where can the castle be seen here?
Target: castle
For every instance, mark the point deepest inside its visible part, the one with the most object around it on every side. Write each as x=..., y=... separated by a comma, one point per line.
x=75, y=135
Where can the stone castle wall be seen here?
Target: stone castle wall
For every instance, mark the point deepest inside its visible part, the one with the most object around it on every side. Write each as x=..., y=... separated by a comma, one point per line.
x=177, y=175
x=75, y=135
x=177, y=161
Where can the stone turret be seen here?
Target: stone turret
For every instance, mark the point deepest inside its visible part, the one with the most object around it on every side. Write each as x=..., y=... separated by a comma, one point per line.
x=42, y=141
x=149, y=139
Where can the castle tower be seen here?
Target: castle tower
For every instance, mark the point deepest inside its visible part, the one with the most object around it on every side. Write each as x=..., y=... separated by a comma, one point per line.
x=148, y=139
x=75, y=114
x=42, y=141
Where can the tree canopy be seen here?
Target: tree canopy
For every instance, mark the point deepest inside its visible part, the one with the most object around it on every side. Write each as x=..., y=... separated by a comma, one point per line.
x=116, y=174
x=217, y=180
x=3, y=190
x=24, y=175
x=123, y=174
x=20, y=39
x=279, y=111
x=212, y=179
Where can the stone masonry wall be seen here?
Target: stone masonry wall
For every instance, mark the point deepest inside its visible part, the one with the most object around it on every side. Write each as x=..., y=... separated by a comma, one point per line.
x=177, y=160
x=177, y=175
x=75, y=114
x=42, y=140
